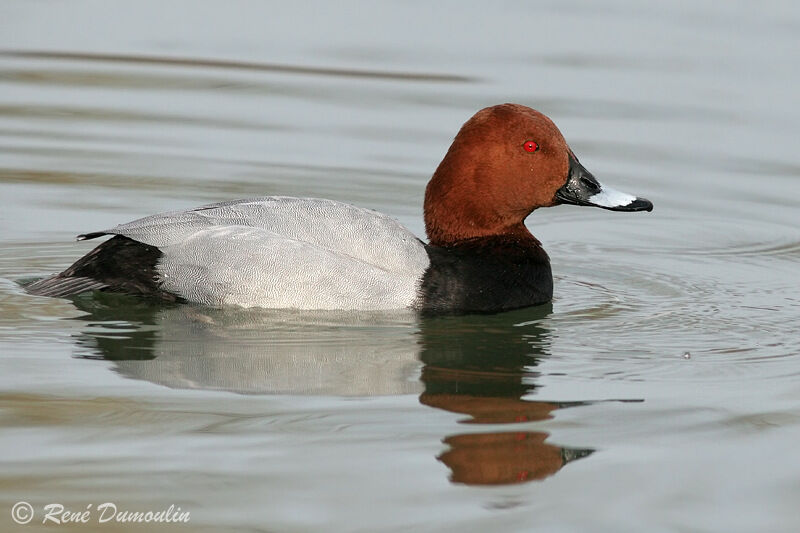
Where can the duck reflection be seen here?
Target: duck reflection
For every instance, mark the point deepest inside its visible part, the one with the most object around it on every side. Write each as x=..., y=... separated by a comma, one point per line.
x=253, y=351
x=481, y=366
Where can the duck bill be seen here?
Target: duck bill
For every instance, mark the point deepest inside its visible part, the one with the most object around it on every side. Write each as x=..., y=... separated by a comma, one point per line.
x=582, y=188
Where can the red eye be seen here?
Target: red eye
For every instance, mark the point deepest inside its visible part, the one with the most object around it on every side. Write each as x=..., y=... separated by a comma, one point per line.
x=530, y=146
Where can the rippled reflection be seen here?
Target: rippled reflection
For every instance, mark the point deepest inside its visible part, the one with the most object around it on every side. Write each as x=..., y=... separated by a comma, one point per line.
x=482, y=366
x=254, y=351
x=479, y=366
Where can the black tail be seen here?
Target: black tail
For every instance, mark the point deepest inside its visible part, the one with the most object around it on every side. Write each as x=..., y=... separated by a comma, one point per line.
x=120, y=264
x=60, y=286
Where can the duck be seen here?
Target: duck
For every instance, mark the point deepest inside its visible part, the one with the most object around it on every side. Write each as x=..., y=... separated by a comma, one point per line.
x=316, y=254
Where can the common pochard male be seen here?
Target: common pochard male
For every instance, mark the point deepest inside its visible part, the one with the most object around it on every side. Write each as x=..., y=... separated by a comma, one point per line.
x=307, y=253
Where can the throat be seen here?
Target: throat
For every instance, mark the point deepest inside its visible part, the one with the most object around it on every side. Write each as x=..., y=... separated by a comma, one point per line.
x=484, y=236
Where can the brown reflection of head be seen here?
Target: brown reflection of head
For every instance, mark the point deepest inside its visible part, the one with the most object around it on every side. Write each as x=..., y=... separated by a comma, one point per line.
x=501, y=458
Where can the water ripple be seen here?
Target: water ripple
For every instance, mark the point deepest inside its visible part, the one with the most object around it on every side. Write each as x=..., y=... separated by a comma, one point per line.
x=236, y=65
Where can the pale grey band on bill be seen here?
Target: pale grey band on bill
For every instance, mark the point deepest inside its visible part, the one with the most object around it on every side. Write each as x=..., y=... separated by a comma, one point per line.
x=608, y=197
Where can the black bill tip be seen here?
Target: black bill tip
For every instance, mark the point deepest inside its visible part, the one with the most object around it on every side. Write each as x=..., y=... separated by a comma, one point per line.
x=638, y=204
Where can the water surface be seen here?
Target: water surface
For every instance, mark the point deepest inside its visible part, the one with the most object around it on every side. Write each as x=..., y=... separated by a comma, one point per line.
x=658, y=392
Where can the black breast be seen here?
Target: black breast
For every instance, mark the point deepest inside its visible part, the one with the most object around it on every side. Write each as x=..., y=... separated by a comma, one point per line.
x=487, y=274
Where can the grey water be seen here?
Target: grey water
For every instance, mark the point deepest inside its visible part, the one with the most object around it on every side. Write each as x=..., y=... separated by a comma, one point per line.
x=659, y=392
